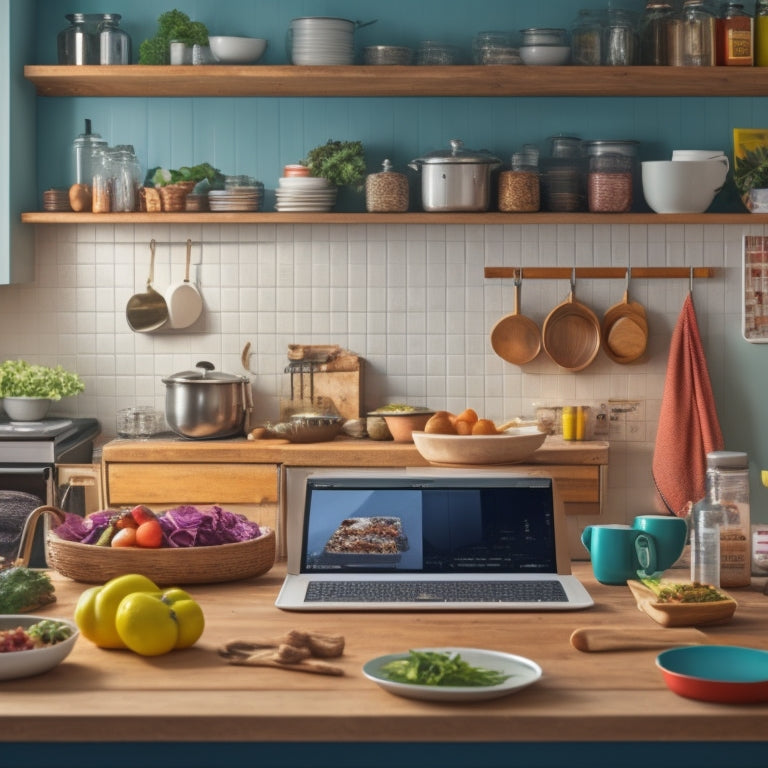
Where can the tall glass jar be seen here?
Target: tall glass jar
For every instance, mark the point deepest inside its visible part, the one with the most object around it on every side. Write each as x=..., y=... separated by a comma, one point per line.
x=609, y=183
x=83, y=148
x=79, y=42
x=114, y=43
x=563, y=176
x=587, y=38
x=728, y=477
x=698, y=41
x=102, y=176
x=734, y=41
x=761, y=33
x=620, y=38
x=654, y=31
x=519, y=188
x=125, y=178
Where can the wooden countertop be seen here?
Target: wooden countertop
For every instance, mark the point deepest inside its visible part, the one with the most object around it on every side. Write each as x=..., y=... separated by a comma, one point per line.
x=101, y=695
x=336, y=453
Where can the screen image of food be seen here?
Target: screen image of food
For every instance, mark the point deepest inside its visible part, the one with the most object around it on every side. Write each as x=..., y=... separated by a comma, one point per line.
x=432, y=530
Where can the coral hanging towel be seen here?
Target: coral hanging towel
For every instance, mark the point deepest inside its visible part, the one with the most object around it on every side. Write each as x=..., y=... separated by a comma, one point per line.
x=688, y=425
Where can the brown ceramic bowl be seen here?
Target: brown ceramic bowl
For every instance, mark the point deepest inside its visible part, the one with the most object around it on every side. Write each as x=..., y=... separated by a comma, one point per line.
x=402, y=425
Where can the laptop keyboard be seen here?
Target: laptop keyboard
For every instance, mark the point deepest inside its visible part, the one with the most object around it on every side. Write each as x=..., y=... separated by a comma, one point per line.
x=528, y=591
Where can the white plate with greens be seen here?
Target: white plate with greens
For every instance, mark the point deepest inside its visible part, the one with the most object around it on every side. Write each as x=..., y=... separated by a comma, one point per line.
x=457, y=674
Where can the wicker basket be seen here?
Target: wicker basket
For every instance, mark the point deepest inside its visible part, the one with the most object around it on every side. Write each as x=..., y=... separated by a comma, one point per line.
x=149, y=200
x=166, y=566
x=174, y=196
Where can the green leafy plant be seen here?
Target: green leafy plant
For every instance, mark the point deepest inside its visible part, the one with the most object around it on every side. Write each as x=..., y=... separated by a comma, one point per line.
x=341, y=162
x=160, y=177
x=171, y=25
x=19, y=378
x=750, y=171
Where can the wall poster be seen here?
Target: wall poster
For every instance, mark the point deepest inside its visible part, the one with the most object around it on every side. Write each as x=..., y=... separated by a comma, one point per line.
x=755, y=281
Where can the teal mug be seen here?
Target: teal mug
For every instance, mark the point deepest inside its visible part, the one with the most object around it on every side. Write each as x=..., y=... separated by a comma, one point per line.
x=670, y=534
x=619, y=553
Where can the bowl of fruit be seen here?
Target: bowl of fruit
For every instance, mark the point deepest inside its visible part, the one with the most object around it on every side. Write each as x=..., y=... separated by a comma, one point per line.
x=467, y=439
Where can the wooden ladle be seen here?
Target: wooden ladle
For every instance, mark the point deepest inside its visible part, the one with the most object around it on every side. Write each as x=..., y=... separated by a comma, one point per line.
x=624, y=329
x=516, y=338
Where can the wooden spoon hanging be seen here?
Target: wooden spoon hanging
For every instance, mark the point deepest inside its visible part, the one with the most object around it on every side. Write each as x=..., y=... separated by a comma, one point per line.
x=516, y=338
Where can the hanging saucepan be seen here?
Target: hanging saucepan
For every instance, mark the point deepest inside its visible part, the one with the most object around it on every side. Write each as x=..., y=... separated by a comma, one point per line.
x=625, y=330
x=147, y=311
x=571, y=333
x=516, y=338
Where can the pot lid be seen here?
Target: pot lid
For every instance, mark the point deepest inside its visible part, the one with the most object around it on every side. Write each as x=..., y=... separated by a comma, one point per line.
x=205, y=374
x=457, y=154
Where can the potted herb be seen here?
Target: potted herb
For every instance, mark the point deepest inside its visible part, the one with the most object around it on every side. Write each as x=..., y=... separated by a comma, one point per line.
x=341, y=162
x=172, y=26
x=28, y=390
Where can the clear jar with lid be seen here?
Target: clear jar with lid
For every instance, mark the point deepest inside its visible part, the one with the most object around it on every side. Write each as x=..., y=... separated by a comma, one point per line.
x=125, y=178
x=563, y=175
x=620, y=38
x=83, y=149
x=587, y=38
x=519, y=188
x=698, y=35
x=114, y=43
x=102, y=181
x=386, y=192
x=654, y=32
x=733, y=35
x=609, y=183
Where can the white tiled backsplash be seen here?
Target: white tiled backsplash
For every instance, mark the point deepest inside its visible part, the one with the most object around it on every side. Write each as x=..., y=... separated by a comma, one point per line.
x=411, y=299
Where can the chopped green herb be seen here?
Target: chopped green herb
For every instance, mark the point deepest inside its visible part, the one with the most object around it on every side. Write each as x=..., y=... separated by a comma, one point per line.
x=435, y=668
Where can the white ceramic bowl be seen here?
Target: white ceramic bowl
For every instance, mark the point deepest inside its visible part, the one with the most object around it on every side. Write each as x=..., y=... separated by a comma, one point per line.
x=510, y=447
x=237, y=50
x=675, y=186
x=545, y=55
x=15, y=664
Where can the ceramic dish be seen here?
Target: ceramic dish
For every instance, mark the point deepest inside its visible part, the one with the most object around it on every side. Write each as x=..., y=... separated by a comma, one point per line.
x=510, y=447
x=724, y=673
x=16, y=664
x=523, y=672
x=682, y=614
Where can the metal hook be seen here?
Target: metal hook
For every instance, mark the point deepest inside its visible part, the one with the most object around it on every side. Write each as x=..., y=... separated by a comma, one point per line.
x=690, y=282
x=573, y=279
x=518, y=277
x=627, y=278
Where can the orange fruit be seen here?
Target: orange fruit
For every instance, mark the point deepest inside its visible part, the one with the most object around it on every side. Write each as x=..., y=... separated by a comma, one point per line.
x=468, y=415
x=463, y=427
x=440, y=424
x=484, y=427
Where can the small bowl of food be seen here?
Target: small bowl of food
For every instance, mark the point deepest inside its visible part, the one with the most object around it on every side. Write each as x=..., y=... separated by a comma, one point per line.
x=237, y=50
x=403, y=420
x=31, y=645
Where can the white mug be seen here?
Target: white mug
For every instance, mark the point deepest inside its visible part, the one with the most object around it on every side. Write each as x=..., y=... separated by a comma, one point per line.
x=701, y=154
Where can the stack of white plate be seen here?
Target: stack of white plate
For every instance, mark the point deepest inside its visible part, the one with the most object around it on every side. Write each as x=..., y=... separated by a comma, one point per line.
x=236, y=198
x=305, y=193
x=322, y=40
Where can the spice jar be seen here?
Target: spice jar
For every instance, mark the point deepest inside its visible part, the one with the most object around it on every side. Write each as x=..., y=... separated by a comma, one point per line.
x=519, y=188
x=586, y=38
x=386, y=192
x=114, y=43
x=609, y=184
x=654, y=29
x=733, y=34
x=698, y=35
x=761, y=33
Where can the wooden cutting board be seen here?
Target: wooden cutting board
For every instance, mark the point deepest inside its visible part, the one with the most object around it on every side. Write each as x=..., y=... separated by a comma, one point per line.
x=682, y=614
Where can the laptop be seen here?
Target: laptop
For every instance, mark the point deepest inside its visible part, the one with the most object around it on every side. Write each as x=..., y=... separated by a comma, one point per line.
x=428, y=540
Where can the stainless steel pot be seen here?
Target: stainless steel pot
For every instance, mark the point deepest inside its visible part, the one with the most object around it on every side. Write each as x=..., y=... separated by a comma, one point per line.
x=457, y=179
x=204, y=404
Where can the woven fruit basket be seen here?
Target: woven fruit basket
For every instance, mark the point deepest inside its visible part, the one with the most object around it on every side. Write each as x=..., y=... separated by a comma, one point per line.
x=165, y=566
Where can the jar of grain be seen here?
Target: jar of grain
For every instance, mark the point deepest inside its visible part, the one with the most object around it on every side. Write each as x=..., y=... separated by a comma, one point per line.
x=386, y=192
x=519, y=188
x=609, y=183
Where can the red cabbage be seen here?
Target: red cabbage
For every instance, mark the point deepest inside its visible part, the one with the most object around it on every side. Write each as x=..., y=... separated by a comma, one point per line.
x=85, y=530
x=188, y=526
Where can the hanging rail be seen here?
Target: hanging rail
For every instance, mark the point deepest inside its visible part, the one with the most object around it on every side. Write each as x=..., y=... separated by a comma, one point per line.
x=567, y=273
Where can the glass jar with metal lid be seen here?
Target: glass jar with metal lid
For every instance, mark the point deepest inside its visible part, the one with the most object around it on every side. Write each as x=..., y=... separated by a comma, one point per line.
x=587, y=38
x=386, y=192
x=654, y=32
x=620, y=38
x=697, y=47
x=613, y=182
x=519, y=187
x=563, y=175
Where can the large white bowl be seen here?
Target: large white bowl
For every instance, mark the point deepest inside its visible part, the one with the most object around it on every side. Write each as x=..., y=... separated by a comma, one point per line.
x=682, y=186
x=15, y=664
x=511, y=447
x=237, y=50
x=545, y=55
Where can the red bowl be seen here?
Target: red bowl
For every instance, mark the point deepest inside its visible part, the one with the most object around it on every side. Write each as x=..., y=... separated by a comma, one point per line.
x=727, y=674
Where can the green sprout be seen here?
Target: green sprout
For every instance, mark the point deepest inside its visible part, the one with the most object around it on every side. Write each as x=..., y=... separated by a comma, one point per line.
x=19, y=378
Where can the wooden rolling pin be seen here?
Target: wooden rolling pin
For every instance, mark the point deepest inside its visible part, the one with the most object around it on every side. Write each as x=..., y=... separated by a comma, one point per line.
x=590, y=639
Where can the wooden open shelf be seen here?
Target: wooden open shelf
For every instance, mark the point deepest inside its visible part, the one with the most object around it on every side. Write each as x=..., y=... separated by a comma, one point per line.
x=492, y=217
x=369, y=81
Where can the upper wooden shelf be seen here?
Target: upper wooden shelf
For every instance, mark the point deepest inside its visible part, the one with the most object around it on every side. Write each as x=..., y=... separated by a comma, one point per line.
x=416, y=217
x=503, y=80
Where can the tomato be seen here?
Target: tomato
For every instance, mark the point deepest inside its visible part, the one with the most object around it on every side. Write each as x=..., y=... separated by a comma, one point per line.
x=152, y=624
x=149, y=534
x=142, y=514
x=125, y=537
x=97, y=606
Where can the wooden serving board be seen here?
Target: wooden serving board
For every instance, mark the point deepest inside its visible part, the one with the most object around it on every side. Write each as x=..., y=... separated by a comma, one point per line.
x=682, y=614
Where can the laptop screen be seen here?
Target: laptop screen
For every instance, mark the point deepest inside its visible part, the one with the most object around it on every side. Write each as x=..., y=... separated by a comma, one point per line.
x=441, y=526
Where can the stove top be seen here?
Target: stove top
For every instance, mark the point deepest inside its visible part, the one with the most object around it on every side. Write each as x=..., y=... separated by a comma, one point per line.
x=48, y=441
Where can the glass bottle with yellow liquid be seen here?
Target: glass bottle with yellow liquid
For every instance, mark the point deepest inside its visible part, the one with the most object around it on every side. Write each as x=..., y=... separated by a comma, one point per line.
x=761, y=33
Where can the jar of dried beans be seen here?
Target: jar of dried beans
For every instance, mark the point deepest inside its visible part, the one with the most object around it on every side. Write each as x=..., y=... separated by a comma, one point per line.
x=519, y=189
x=386, y=192
x=609, y=183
